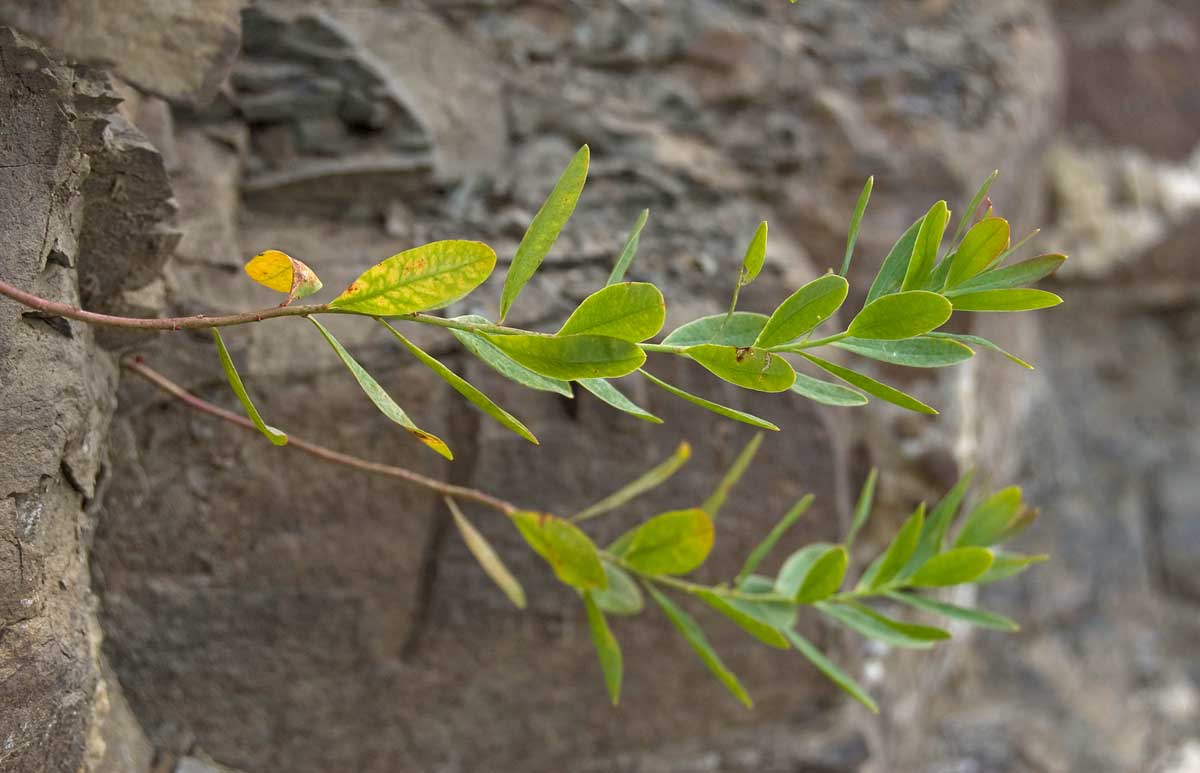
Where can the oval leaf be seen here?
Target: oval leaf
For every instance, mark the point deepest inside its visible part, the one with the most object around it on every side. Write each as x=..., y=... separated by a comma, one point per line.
x=544, y=229
x=565, y=547
x=674, y=542
x=756, y=255
x=572, y=357
x=825, y=393
x=631, y=311
x=1006, y=300
x=920, y=352
x=990, y=520
x=607, y=648
x=622, y=596
x=427, y=277
x=901, y=315
x=738, y=329
x=500, y=362
x=748, y=368
x=954, y=567
x=235, y=382
x=487, y=557
x=925, y=249
x=708, y=405
x=283, y=273
x=982, y=245
x=806, y=308
x=824, y=577
x=870, y=385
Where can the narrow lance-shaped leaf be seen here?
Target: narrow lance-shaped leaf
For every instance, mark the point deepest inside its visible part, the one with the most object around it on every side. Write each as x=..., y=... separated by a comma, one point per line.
x=573, y=356
x=630, y=311
x=477, y=398
x=544, y=230
x=756, y=254
x=965, y=220
x=1006, y=565
x=613, y=396
x=855, y=222
x=674, y=542
x=691, y=632
x=763, y=549
x=982, y=245
x=871, y=386
x=1017, y=299
x=382, y=400
x=622, y=596
x=977, y=341
x=891, y=272
x=933, y=533
x=708, y=405
x=235, y=382
x=431, y=276
x=977, y=617
x=925, y=249
x=284, y=274
x=755, y=369
x=760, y=630
x=987, y=522
x=954, y=567
x=862, y=510
x=920, y=352
x=829, y=669
x=716, y=500
x=740, y=329
x=901, y=315
x=500, y=362
x=866, y=621
x=1023, y=273
x=607, y=649
x=898, y=552
x=565, y=547
x=487, y=557
x=825, y=393
x=643, y=483
x=780, y=615
x=806, y=308
x=629, y=250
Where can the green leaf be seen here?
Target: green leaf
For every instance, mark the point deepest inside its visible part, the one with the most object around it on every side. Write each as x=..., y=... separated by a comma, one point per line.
x=654, y=477
x=708, y=405
x=630, y=249
x=933, y=533
x=925, y=249
x=503, y=364
x=825, y=576
x=630, y=311
x=487, y=557
x=739, y=329
x=920, y=352
x=891, y=272
x=427, y=277
x=871, y=386
x=866, y=621
x=988, y=521
x=572, y=357
x=825, y=393
x=687, y=626
x=829, y=669
x=383, y=401
x=978, y=617
x=544, y=230
x=611, y=395
x=1006, y=565
x=755, y=369
x=901, y=549
x=716, y=500
x=954, y=567
x=674, y=542
x=622, y=596
x=763, y=549
x=970, y=339
x=607, y=648
x=806, y=308
x=1005, y=300
x=477, y=398
x=901, y=315
x=1023, y=273
x=760, y=630
x=797, y=566
x=756, y=254
x=862, y=510
x=969, y=212
x=235, y=382
x=855, y=221
x=982, y=245
x=780, y=615
x=565, y=547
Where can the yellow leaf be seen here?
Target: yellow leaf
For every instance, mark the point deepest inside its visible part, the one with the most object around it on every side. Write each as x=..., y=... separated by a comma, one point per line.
x=283, y=273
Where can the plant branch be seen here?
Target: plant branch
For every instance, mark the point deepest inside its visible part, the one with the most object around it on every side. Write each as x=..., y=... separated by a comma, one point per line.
x=135, y=365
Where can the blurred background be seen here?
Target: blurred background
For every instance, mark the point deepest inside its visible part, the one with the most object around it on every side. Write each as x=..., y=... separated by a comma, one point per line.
x=175, y=596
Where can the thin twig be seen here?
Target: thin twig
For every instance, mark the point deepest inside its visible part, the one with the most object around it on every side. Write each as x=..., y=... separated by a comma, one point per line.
x=135, y=365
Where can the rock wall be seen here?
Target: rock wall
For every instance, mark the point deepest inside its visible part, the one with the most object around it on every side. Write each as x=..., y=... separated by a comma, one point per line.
x=269, y=612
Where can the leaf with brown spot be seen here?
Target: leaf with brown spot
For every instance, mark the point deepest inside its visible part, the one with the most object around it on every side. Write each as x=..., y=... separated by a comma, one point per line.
x=431, y=276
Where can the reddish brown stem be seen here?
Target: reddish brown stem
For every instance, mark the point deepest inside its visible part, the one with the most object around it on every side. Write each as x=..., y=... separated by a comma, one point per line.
x=135, y=365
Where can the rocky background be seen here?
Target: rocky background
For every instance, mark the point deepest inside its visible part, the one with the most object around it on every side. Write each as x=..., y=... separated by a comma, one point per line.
x=177, y=596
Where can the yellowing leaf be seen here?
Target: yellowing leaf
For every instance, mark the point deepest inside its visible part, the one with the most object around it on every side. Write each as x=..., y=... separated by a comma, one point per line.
x=427, y=277
x=565, y=547
x=487, y=557
x=282, y=273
